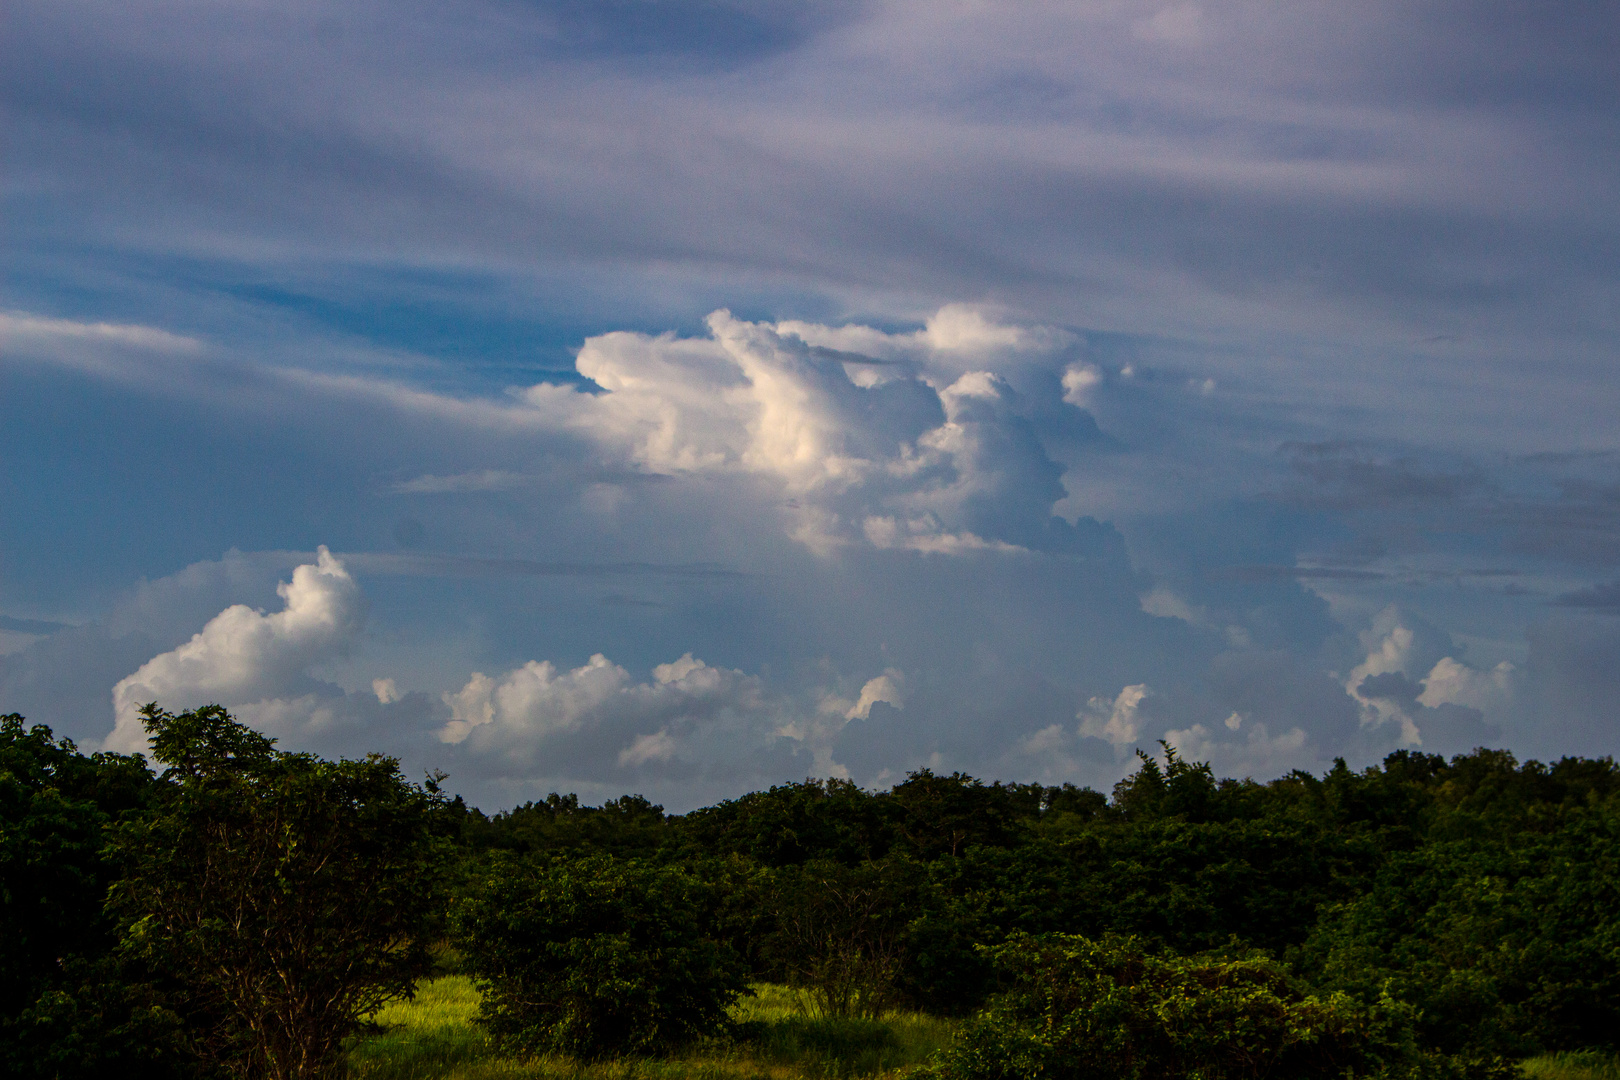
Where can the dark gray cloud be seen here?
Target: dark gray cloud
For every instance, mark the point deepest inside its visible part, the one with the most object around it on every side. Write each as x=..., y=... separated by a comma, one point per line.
x=1392, y=686
x=1574, y=671
x=1604, y=597
x=716, y=32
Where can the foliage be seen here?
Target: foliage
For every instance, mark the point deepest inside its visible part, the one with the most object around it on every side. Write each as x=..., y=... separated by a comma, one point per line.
x=1507, y=948
x=1475, y=896
x=286, y=896
x=68, y=1006
x=838, y=933
x=1078, y=1009
x=624, y=826
x=596, y=956
x=794, y=823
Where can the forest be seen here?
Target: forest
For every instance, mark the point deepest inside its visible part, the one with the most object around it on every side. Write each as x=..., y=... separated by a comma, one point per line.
x=227, y=909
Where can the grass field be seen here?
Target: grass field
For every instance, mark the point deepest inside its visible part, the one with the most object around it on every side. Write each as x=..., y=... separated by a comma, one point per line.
x=1572, y=1067
x=433, y=1038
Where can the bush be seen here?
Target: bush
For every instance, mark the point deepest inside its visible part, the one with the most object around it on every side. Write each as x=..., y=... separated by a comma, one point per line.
x=1078, y=1009
x=595, y=957
x=837, y=933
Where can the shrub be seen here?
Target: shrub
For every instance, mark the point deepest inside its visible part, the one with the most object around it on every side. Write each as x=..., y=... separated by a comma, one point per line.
x=1078, y=1009
x=595, y=957
x=837, y=933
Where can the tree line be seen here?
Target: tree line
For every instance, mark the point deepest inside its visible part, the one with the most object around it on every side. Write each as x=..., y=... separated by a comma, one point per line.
x=233, y=910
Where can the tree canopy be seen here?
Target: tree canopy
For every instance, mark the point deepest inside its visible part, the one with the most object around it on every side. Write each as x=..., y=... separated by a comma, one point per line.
x=243, y=909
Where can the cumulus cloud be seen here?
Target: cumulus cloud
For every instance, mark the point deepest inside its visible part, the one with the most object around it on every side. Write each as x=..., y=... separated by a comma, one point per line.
x=867, y=448
x=886, y=439
x=1451, y=681
x=243, y=656
x=889, y=688
x=1439, y=704
x=597, y=721
x=1079, y=382
x=1118, y=721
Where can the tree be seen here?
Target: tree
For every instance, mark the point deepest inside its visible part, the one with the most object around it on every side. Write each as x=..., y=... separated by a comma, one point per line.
x=68, y=1008
x=1078, y=1009
x=945, y=815
x=838, y=932
x=1509, y=946
x=595, y=956
x=286, y=896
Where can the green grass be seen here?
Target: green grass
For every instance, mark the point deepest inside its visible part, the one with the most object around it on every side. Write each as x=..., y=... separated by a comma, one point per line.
x=1572, y=1066
x=433, y=1038
x=426, y=1039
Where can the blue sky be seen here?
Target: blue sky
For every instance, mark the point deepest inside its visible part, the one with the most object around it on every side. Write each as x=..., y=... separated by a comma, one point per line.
x=693, y=396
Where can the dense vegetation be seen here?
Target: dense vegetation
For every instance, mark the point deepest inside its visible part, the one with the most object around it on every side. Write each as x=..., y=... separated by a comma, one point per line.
x=244, y=907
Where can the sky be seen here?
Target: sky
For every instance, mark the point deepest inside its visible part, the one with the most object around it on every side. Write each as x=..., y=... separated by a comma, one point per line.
x=679, y=397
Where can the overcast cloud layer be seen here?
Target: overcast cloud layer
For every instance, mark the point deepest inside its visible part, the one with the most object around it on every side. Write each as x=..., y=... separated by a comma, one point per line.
x=678, y=397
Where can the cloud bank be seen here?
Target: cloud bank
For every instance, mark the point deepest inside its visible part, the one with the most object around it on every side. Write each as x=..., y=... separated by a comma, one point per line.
x=980, y=544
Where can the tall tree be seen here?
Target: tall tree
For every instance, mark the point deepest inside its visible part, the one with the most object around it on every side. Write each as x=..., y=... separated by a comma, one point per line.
x=286, y=895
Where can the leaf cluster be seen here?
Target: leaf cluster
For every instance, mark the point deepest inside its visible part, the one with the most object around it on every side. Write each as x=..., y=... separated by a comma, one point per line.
x=596, y=956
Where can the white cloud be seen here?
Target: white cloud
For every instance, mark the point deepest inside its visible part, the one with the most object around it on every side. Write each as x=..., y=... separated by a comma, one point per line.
x=1119, y=721
x=1435, y=701
x=871, y=436
x=595, y=720
x=954, y=339
x=1395, y=650
x=532, y=701
x=19, y=329
x=1164, y=603
x=1451, y=681
x=1080, y=381
x=245, y=656
x=889, y=687
x=926, y=535
x=657, y=746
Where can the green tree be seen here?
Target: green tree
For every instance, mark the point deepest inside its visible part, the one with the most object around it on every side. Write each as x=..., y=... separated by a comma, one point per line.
x=68, y=1007
x=794, y=823
x=945, y=815
x=1508, y=946
x=286, y=896
x=839, y=931
x=1078, y=1009
x=596, y=956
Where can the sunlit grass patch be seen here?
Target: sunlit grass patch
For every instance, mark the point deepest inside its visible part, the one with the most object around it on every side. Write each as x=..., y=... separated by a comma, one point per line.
x=778, y=1027
x=1580, y=1065
x=433, y=1038
x=429, y=1038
